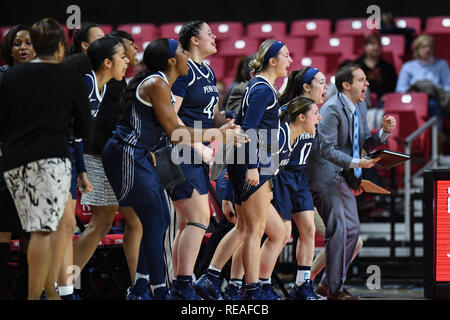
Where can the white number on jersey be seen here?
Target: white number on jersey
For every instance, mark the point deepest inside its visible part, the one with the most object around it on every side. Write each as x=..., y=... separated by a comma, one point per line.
x=304, y=154
x=209, y=109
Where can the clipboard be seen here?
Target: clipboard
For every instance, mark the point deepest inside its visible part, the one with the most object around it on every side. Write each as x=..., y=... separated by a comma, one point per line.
x=389, y=159
x=370, y=187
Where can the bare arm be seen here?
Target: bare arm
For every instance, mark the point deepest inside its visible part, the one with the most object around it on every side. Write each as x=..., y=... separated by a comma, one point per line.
x=157, y=92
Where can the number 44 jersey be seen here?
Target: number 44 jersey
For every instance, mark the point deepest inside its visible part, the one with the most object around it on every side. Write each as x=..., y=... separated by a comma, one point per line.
x=200, y=95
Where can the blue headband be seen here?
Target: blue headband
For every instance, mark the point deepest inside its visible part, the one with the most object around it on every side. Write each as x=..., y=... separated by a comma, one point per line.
x=173, y=45
x=309, y=75
x=273, y=50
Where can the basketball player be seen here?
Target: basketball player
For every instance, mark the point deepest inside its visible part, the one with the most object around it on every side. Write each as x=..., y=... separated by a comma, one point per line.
x=126, y=155
x=250, y=178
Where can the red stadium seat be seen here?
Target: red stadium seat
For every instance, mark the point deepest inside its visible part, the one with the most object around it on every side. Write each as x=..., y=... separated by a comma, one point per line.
x=410, y=111
x=356, y=28
x=394, y=44
x=393, y=49
x=227, y=30
x=437, y=24
x=233, y=50
x=439, y=29
x=335, y=48
x=310, y=29
x=267, y=30
x=170, y=30
x=239, y=47
x=415, y=102
x=143, y=33
x=317, y=61
x=352, y=26
x=296, y=46
x=409, y=22
x=218, y=65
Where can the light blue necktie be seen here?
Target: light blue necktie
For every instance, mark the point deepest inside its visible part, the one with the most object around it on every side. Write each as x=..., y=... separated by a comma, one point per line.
x=357, y=171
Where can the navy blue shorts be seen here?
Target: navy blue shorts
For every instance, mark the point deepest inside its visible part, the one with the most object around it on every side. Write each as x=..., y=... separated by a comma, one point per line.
x=291, y=193
x=133, y=177
x=241, y=189
x=197, y=177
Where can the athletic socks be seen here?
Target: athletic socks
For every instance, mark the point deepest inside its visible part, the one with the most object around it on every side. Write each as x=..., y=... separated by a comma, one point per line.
x=213, y=273
x=303, y=274
x=236, y=282
x=265, y=281
x=182, y=282
x=65, y=290
x=159, y=291
x=251, y=288
x=140, y=283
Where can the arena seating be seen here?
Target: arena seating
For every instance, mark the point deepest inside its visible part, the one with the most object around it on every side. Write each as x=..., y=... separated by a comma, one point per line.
x=143, y=33
x=266, y=30
x=439, y=29
x=409, y=22
x=227, y=30
x=310, y=29
x=304, y=38
x=170, y=30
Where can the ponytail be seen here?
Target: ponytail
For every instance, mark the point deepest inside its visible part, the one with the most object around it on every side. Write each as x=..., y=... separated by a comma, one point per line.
x=294, y=87
x=259, y=63
x=129, y=94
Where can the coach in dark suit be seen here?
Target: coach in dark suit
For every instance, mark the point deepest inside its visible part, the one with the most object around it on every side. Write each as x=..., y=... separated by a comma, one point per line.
x=335, y=170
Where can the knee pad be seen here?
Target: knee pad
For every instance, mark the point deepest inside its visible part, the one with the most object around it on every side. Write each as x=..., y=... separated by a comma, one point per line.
x=198, y=225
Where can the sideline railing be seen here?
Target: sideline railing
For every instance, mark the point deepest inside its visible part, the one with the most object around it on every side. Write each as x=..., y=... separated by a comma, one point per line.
x=433, y=125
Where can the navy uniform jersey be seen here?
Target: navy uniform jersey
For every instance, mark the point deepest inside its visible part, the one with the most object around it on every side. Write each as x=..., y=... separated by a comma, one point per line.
x=200, y=98
x=95, y=97
x=125, y=156
x=139, y=127
x=259, y=112
x=285, y=147
x=200, y=95
x=291, y=192
x=300, y=154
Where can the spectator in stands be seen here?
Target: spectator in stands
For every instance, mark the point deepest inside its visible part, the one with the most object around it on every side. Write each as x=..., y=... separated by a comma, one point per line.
x=16, y=49
x=424, y=67
x=428, y=74
x=83, y=37
x=38, y=169
x=380, y=73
